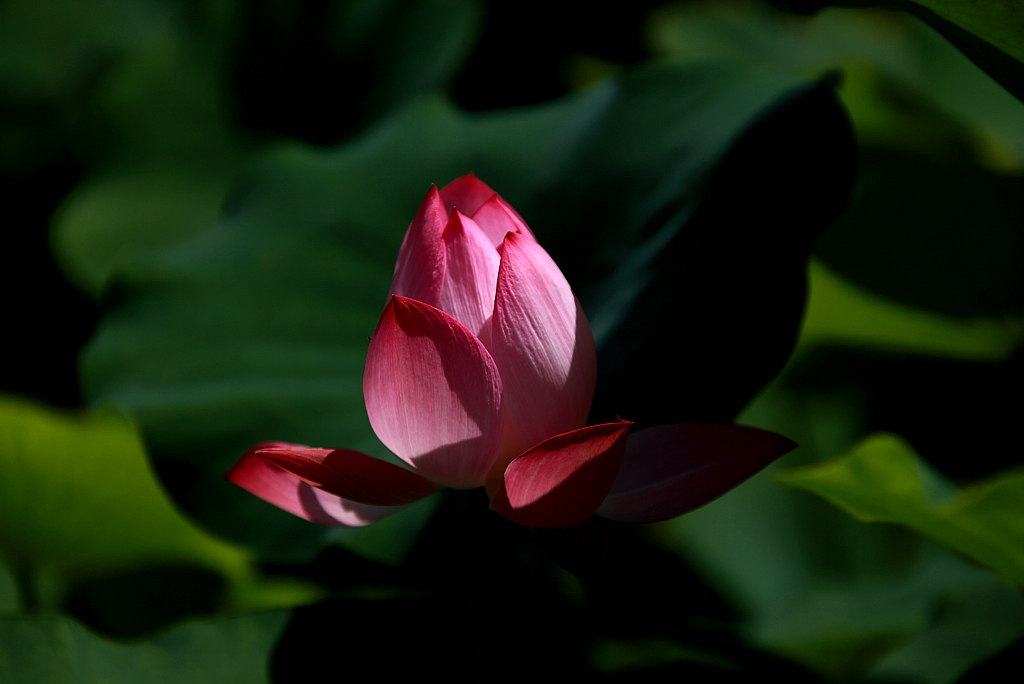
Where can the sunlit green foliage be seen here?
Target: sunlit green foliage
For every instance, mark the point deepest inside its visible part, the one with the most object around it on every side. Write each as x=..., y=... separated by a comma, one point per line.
x=882, y=480
x=56, y=650
x=78, y=500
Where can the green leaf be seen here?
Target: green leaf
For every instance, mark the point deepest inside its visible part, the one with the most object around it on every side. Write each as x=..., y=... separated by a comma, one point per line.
x=417, y=46
x=169, y=151
x=256, y=329
x=56, y=650
x=891, y=63
x=998, y=22
x=883, y=480
x=78, y=500
x=847, y=599
x=988, y=32
x=841, y=314
x=119, y=216
x=934, y=220
x=168, y=142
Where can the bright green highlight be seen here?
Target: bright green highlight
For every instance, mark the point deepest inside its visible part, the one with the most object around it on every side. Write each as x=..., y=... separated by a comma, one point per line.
x=840, y=313
x=883, y=480
x=78, y=500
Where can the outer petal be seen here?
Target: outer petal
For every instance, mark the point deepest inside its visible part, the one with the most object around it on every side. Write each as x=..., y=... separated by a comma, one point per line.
x=352, y=475
x=671, y=469
x=541, y=343
x=470, y=274
x=561, y=481
x=466, y=194
x=279, y=487
x=419, y=270
x=433, y=394
x=497, y=218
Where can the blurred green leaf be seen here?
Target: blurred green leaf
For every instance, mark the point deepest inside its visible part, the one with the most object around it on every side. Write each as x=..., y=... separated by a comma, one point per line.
x=988, y=32
x=167, y=152
x=418, y=46
x=256, y=329
x=997, y=22
x=934, y=222
x=119, y=216
x=10, y=602
x=56, y=650
x=78, y=500
x=847, y=599
x=167, y=143
x=52, y=52
x=885, y=57
x=618, y=655
x=883, y=480
x=840, y=313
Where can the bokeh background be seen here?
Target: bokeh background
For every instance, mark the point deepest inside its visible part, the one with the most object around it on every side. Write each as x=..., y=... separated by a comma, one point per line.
x=810, y=224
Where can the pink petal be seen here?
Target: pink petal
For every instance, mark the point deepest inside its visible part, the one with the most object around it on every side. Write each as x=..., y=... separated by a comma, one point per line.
x=466, y=194
x=420, y=266
x=541, y=343
x=448, y=263
x=561, y=481
x=671, y=469
x=470, y=274
x=352, y=475
x=497, y=218
x=279, y=487
x=433, y=394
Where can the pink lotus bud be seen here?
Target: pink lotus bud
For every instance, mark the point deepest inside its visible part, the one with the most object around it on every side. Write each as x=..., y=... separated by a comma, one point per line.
x=481, y=372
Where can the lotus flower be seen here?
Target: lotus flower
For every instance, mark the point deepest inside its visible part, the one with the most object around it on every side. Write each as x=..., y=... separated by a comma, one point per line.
x=481, y=372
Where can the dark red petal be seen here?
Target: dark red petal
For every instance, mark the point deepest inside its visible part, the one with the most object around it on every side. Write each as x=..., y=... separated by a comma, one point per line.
x=561, y=481
x=277, y=486
x=466, y=194
x=352, y=475
x=671, y=469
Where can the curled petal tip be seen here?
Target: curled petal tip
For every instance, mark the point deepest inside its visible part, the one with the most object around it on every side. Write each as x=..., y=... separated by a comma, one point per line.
x=562, y=481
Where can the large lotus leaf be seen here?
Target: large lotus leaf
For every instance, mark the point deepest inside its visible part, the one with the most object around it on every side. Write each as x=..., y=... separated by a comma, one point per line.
x=940, y=236
x=845, y=598
x=78, y=501
x=169, y=153
x=50, y=52
x=885, y=57
x=988, y=32
x=997, y=22
x=256, y=329
x=882, y=480
x=56, y=650
x=168, y=143
x=929, y=226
